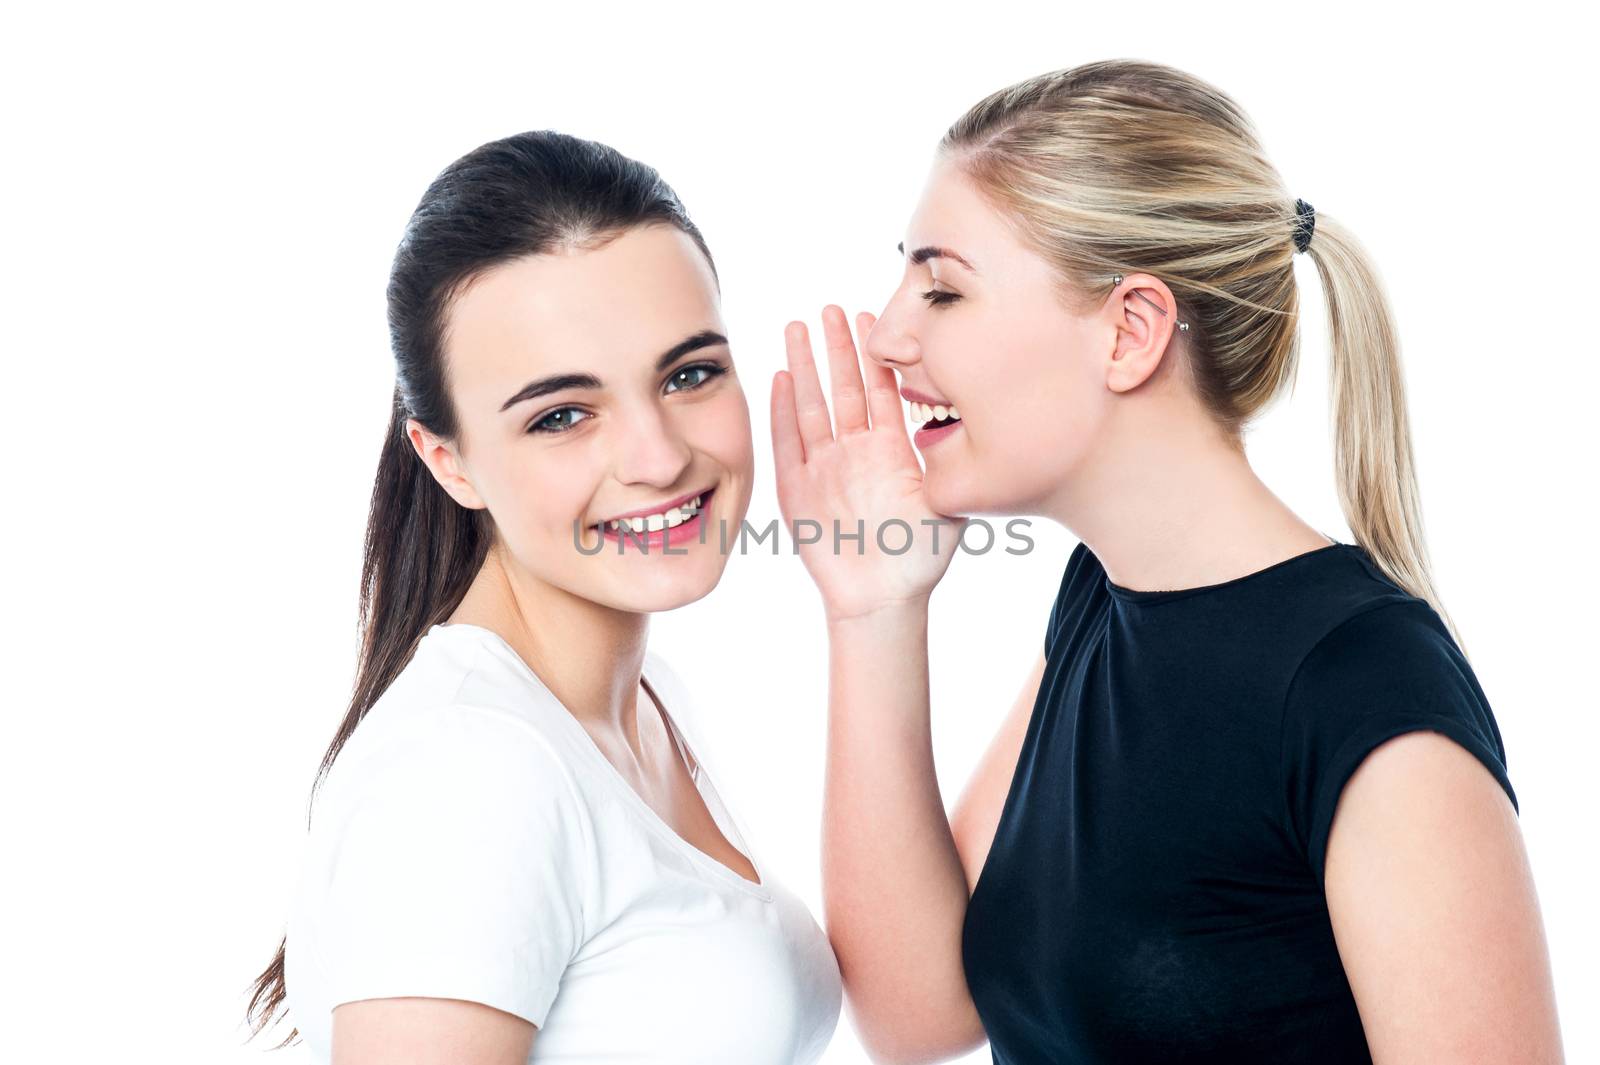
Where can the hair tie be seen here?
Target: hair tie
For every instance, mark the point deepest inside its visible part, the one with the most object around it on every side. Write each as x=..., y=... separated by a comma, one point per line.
x=1304, y=224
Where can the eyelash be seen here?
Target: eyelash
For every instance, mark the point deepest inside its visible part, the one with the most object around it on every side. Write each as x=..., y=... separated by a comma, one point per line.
x=713, y=371
x=939, y=299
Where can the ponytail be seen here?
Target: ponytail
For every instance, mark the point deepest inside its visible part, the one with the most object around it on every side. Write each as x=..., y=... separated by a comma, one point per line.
x=1124, y=164
x=527, y=194
x=421, y=553
x=1374, y=466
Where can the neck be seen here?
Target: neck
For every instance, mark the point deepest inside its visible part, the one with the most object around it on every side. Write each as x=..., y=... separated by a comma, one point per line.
x=589, y=655
x=1169, y=502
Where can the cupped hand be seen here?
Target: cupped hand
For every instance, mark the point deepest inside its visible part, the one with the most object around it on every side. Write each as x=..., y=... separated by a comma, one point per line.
x=855, y=473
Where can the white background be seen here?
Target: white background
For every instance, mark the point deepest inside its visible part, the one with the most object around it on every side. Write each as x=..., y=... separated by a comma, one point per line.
x=200, y=209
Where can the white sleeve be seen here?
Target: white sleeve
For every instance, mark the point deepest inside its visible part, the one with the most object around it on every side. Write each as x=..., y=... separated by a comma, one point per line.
x=461, y=870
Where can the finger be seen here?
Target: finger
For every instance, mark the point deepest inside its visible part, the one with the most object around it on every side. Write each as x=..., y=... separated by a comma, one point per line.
x=788, y=451
x=811, y=410
x=883, y=396
x=865, y=320
x=883, y=390
x=844, y=372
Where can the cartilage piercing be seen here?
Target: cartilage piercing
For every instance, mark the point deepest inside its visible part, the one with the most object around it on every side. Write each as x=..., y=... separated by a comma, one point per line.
x=1183, y=327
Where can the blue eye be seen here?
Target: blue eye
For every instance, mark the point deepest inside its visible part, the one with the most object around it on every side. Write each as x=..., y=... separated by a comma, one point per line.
x=561, y=419
x=939, y=299
x=709, y=369
x=552, y=423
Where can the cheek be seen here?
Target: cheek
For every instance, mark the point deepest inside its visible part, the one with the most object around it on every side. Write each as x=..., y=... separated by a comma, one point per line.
x=1036, y=412
x=721, y=429
x=1030, y=383
x=542, y=498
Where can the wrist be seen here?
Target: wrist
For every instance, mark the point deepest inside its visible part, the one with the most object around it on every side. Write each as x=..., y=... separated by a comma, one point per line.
x=889, y=613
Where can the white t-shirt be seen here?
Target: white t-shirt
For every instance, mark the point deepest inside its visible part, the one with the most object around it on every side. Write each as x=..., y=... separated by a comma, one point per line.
x=471, y=842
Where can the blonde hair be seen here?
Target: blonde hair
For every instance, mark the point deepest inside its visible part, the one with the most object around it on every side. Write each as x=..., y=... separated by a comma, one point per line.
x=1124, y=166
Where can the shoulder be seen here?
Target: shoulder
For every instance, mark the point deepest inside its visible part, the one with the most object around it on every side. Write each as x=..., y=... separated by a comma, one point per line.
x=458, y=763
x=1083, y=573
x=1372, y=626
x=1379, y=674
x=1082, y=565
x=459, y=862
x=461, y=808
x=1389, y=654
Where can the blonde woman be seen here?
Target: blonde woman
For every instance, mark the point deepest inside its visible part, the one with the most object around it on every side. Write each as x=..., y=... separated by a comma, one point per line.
x=517, y=853
x=1251, y=804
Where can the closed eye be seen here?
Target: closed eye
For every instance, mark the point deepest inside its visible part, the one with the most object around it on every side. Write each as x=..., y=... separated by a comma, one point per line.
x=939, y=298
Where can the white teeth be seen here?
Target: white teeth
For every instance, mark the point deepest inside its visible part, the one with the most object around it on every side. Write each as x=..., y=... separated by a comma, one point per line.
x=923, y=412
x=656, y=522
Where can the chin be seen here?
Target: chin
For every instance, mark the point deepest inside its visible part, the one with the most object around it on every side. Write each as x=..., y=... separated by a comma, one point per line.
x=658, y=600
x=975, y=497
x=658, y=584
x=947, y=496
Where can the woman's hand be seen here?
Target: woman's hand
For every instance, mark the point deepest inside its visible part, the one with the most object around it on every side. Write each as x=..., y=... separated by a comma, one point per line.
x=854, y=476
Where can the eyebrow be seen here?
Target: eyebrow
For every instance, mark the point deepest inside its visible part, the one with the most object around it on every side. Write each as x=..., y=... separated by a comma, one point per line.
x=922, y=255
x=543, y=386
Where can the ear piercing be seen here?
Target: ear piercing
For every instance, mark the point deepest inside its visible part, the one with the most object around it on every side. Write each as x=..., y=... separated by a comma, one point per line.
x=1183, y=327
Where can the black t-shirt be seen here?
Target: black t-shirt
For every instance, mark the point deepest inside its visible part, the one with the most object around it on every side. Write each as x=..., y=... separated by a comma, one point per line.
x=1154, y=890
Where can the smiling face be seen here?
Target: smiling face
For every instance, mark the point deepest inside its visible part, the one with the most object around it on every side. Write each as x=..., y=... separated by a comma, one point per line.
x=1026, y=375
x=591, y=384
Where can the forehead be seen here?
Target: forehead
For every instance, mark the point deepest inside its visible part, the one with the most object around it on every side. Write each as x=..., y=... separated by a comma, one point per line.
x=951, y=212
x=609, y=311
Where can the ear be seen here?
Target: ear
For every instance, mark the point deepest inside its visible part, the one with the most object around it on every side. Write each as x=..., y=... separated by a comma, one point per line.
x=1144, y=315
x=445, y=465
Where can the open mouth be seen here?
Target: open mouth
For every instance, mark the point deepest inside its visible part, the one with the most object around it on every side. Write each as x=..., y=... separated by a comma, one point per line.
x=929, y=416
x=659, y=523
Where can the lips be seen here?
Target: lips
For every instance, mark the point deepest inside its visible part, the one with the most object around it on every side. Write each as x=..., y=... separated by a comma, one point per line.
x=704, y=495
x=658, y=509
x=914, y=396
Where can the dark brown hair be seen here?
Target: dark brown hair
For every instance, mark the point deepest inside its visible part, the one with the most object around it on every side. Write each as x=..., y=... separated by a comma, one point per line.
x=527, y=194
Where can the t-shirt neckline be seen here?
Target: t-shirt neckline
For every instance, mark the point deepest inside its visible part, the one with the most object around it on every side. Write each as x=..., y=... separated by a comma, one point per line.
x=1153, y=596
x=603, y=765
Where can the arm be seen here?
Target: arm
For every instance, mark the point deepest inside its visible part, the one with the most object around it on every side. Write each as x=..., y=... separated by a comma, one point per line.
x=977, y=814
x=428, y=1031
x=457, y=894
x=1434, y=911
x=897, y=874
x=895, y=881
x=894, y=890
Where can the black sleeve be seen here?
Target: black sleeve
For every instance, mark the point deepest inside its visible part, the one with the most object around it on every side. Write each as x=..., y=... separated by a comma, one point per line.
x=1390, y=670
x=1074, y=564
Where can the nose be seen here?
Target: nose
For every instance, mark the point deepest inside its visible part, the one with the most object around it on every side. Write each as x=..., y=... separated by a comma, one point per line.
x=889, y=343
x=653, y=448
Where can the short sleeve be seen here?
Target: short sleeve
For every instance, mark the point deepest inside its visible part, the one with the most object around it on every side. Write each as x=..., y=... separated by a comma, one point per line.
x=1059, y=608
x=461, y=869
x=1390, y=670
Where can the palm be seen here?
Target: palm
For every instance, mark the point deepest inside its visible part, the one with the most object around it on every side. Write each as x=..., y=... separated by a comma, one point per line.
x=854, y=476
